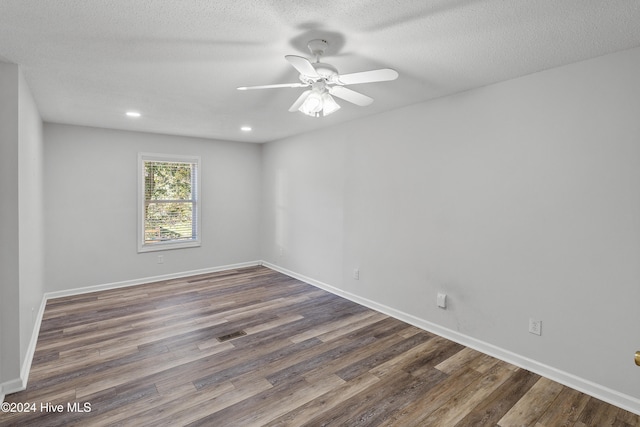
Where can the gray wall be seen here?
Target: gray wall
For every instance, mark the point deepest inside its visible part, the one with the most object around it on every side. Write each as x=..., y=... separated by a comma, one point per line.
x=91, y=205
x=9, y=236
x=518, y=200
x=21, y=224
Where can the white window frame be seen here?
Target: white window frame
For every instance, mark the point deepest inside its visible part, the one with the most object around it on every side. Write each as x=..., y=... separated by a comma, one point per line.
x=169, y=244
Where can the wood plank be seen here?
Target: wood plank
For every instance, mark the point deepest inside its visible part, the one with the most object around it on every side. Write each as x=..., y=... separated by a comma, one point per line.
x=491, y=409
x=330, y=326
x=533, y=404
x=565, y=410
x=455, y=409
x=289, y=398
x=357, y=410
x=469, y=359
x=422, y=407
x=599, y=413
x=317, y=408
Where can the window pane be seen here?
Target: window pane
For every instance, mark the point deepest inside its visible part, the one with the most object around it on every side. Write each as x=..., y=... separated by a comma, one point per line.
x=167, y=181
x=168, y=221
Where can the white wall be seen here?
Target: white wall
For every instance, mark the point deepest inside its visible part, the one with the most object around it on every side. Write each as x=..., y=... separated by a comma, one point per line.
x=91, y=205
x=21, y=226
x=303, y=220
x=31, y=214
x=518, y=200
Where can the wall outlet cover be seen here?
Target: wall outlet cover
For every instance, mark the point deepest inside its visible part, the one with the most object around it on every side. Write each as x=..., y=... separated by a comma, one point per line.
x=442, y=300
x=535, y=326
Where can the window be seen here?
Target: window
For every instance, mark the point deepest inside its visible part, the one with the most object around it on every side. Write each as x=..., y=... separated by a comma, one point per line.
x=168, y=202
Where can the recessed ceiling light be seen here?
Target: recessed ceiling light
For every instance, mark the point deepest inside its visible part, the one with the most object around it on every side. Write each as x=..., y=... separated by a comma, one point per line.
x=133, y=114
x=246, y=128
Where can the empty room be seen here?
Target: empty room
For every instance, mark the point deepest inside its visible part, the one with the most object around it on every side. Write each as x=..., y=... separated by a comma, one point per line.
x=279, y=213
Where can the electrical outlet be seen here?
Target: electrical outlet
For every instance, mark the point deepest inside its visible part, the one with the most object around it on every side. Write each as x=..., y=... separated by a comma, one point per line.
x=535, y=326
x=160, y=259
x=356, y=273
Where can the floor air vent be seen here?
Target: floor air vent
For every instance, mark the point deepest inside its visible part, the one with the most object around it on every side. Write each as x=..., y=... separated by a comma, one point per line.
x=231, y=336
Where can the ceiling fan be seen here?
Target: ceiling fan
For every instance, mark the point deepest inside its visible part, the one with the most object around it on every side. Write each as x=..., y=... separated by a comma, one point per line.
x=323, y=81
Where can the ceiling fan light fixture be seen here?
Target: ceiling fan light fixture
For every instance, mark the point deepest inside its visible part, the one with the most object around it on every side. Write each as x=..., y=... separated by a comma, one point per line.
x=312, y=105
x=319, y=103
x=309, y=113
x=329, y=105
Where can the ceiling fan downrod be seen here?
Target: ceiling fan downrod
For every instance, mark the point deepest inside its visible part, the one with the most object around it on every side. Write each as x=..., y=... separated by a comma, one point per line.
x=317, y=47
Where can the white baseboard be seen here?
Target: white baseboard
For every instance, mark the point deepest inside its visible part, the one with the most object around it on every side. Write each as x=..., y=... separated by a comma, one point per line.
x=19, y=384
x=598, y=391
x=143, y=280
x=11, y=386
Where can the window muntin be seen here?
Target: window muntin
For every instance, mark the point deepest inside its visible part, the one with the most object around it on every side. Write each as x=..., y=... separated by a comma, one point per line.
x=169, y=205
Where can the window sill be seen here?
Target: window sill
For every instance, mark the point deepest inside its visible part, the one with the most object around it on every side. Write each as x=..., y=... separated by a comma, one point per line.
x=167, y=246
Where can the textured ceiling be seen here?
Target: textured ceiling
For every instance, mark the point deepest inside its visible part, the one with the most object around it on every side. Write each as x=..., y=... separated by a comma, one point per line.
x=179, y=62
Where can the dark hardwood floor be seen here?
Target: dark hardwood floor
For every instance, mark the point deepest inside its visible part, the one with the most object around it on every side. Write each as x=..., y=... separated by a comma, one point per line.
x=152, y=355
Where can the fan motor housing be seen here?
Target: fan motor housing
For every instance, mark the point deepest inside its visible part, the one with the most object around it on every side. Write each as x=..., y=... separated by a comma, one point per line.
x=325, y=70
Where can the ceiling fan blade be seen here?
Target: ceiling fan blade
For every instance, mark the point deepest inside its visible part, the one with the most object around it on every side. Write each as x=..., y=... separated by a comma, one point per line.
x=303, y=65
x=350, y=95
x=273, y=86
x=381, y=75
x=299, y=101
